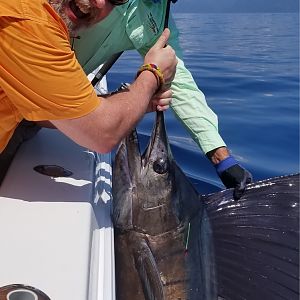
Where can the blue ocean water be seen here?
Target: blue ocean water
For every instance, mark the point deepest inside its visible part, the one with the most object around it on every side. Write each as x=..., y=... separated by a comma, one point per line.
x=247, y=65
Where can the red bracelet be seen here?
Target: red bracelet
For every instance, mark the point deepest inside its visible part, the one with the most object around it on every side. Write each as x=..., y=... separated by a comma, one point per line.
x=156, y=71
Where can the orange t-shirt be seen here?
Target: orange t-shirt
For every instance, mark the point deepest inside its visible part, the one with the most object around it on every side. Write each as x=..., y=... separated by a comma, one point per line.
x=40, y=78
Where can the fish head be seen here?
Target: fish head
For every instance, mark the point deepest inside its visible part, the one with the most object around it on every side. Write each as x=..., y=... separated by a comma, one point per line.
x=150, y=192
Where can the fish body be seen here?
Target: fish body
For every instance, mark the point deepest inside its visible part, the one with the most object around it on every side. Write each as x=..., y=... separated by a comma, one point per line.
x=156, y=210
x=173, y=244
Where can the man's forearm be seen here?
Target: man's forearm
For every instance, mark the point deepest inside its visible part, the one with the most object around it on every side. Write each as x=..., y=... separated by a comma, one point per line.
x=191, y=109
x=102, y=129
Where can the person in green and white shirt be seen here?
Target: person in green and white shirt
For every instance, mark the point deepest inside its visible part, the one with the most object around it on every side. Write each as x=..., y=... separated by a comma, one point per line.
x=137, y=25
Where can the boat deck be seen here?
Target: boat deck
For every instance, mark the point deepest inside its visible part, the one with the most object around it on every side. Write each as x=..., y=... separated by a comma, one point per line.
x=56, y=232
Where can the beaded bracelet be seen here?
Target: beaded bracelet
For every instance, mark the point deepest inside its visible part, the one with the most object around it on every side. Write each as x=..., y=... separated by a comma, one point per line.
x=156, y=71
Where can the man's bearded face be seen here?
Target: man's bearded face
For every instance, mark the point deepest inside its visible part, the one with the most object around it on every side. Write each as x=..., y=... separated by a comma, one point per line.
x=78, y=14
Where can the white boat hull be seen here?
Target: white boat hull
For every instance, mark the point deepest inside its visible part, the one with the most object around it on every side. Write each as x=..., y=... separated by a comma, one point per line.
x=56, y=232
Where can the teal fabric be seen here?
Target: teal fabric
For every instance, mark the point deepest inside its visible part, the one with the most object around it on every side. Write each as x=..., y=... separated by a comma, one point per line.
x=137, y=25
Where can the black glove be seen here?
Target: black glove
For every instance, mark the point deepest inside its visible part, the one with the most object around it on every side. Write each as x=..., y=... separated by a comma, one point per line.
x=233, y=176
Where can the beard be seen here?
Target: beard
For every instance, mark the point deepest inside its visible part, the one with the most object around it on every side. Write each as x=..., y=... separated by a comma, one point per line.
x=59, y=7
x=84, y=12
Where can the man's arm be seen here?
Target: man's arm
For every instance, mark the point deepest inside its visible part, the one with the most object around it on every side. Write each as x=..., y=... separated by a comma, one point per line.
x=102, y=129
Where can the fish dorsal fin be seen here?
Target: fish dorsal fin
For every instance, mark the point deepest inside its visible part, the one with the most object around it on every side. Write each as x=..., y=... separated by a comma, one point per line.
x=148, y=273
x=257, y=240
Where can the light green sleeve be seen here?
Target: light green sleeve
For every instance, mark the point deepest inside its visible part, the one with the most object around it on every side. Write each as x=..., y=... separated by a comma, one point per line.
x=189, y=103
x=190, y=107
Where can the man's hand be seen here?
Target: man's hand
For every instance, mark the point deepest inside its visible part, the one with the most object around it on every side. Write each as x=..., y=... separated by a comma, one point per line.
x=160, y=101
x=232, y=174
x=163, y=56
x=235, y=177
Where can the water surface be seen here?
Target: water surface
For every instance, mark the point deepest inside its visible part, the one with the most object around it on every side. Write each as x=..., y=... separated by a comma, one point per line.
x=248, y=67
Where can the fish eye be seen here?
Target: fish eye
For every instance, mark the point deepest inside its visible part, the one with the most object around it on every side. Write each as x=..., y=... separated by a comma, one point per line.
x=160, y=166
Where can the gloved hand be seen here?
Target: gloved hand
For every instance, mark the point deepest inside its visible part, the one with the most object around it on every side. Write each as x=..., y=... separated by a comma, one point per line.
x=233, y=175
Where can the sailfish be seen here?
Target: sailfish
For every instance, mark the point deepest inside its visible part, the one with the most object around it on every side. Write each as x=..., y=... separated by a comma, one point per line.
x=173, y=244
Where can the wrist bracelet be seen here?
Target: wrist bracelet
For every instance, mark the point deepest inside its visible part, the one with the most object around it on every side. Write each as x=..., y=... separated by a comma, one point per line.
x=155, y=70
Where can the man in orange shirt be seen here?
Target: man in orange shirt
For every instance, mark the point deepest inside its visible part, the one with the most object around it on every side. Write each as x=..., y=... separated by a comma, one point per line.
x=41, y=80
